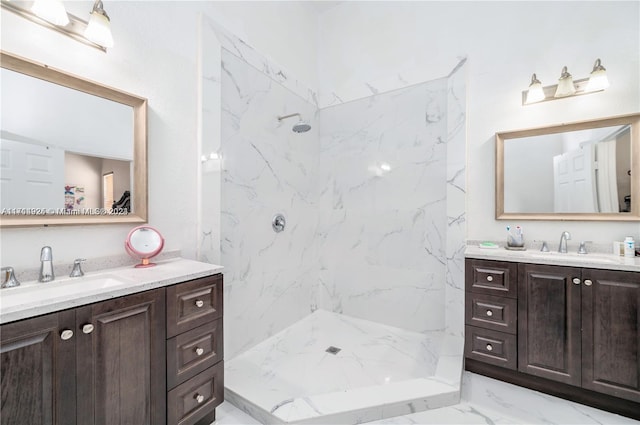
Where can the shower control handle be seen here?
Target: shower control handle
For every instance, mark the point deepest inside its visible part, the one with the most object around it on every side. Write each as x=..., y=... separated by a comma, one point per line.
x=278, y=223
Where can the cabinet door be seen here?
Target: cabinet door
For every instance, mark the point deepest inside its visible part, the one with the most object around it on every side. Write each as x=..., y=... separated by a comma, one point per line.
x=549, y=322
x=611, y=333
x=121, y=361
x=37, y=376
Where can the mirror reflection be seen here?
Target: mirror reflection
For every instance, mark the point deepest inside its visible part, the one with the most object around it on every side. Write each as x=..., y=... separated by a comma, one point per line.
x=63, y=151
x=583, y=171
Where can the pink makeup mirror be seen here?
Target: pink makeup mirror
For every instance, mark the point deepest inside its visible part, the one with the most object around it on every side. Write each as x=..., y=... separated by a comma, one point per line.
x=144, y=243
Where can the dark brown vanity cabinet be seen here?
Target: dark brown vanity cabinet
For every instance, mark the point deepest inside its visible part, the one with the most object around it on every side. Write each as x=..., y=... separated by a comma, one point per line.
x=549, y=322
x=577, y=334
x=37, y=366
x=110, y=363
x=98, y=364
x=195, y=373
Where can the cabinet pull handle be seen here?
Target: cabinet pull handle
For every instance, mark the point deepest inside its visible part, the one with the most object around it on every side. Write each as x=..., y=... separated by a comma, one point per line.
x=87, y=329
x=489, y=347
x=199, y=303
x=490, y=278
x=199, y=398
x=489, y=313
x=588, y=282
x=199, y=351
x=66, y=334
x=576, y=281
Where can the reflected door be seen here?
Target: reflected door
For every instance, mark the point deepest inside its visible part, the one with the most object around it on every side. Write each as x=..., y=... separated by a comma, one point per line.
x=31, y=175
x=574, y=181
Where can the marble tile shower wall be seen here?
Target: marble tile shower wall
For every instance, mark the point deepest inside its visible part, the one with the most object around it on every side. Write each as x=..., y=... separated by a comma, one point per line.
x=456, y=200
x=267, y=169
x=382, y=231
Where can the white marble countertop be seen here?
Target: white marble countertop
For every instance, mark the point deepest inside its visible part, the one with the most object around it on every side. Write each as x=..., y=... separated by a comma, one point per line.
x=34, y=298
x=593, y=261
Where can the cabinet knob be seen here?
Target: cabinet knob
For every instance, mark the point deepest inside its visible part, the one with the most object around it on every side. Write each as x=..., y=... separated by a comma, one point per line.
x=490, y=278
x=588, y=282
x=199, y=303
x=489, y=313
x=576, y=281
x=66, y=334
x=87, y=329
x=199, y=351
x=489, y=347
x=199, y=398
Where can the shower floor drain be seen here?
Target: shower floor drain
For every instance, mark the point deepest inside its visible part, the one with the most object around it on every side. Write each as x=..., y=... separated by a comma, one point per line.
x=332, y=350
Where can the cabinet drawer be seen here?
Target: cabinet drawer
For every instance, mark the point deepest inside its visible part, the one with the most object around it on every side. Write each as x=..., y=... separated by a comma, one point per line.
x=497, y=348
x=194, y=303
x=193, y=351
x=491, y=277
x=196, y=398
x=489, y=312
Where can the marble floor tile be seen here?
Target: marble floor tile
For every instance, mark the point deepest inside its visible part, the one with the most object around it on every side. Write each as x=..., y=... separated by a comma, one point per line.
x=484, y=401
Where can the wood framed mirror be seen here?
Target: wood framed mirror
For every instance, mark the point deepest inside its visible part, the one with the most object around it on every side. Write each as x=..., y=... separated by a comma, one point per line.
x=72, y=151
x=587, y=170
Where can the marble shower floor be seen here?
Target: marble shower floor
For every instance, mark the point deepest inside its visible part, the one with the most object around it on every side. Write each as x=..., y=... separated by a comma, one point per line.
x=484, y=401
x=291, y=378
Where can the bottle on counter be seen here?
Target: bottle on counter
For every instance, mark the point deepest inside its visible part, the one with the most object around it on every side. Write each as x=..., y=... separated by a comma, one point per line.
x=629, y=247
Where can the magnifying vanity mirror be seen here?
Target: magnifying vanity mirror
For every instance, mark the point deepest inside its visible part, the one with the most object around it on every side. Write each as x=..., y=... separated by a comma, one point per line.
x=72, y=151
x=580, y=171
x=144, y=243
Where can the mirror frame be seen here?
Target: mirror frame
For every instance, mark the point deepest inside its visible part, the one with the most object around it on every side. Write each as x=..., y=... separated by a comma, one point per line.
x=139, y=105
x=634, y=215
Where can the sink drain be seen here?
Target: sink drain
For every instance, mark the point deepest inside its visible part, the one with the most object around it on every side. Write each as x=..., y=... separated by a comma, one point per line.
x=333, y=350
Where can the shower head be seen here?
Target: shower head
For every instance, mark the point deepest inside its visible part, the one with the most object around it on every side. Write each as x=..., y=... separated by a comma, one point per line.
x=301, y=127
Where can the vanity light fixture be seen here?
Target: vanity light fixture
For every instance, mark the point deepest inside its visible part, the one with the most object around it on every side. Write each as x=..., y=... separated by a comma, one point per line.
x=598, y=79
x=99, y=27
x=535, y=92
x=567, y=86
x=52, y=14
x=52, y=11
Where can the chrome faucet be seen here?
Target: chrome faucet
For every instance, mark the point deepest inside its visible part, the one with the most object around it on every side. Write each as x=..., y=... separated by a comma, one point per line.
x=77, y=268
x=563, y=242
x=46, y=265
x=10, y=279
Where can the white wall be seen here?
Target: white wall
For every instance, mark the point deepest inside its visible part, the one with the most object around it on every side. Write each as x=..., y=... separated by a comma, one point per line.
x=154, y=57
x=377, y=46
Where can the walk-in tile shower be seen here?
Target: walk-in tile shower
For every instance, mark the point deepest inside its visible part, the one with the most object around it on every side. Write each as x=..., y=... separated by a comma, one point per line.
x=351, y=312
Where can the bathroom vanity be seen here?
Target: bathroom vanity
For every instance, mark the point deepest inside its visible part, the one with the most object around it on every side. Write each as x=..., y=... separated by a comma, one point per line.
x=146, y=351
x=568, y=326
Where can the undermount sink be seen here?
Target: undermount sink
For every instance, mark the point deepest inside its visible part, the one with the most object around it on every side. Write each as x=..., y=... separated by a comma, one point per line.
x=58, y=289
x=586, y=258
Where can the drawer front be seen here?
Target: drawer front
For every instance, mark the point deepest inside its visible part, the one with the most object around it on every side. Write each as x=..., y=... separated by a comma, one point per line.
x=194, y=351
x=193, y=303
x=485, y=345
x=489, y=312
x=491, y=277
x=196, y=398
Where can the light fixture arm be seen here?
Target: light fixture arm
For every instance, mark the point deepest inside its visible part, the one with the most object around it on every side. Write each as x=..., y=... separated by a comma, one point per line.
x=98, y=7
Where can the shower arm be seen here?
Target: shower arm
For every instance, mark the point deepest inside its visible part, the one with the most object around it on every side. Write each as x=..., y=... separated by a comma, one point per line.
x=289, y=116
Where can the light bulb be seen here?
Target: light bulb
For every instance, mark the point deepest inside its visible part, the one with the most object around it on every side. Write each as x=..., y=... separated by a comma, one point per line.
x=535, y=92
x=565, y=84
x=52, y=11
x=99, y=27
x=598, y=79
